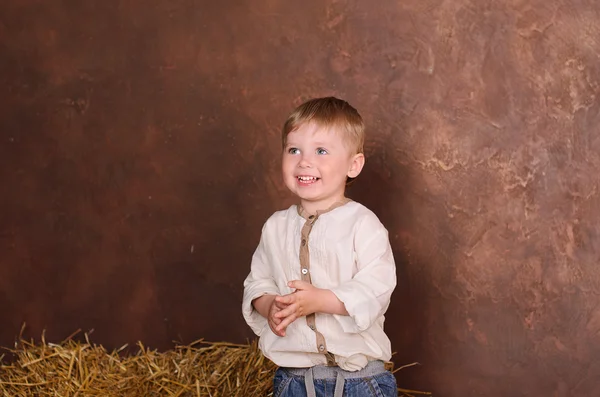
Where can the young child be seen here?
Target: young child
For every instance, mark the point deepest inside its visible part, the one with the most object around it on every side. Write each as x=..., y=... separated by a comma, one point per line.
x=323, y=273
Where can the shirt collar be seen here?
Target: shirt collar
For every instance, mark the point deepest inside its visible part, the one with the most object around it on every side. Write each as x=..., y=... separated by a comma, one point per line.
x=335, y=205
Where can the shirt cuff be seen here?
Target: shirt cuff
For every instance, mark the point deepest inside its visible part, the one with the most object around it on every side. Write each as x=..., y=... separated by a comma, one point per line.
x=254, y=319
x=359, y=310
x=348, y=324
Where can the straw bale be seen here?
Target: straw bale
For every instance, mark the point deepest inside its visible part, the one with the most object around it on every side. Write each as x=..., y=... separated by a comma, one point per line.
x=75, y=369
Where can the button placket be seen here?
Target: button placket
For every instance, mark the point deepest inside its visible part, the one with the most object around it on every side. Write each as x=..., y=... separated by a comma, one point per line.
x=305, y=276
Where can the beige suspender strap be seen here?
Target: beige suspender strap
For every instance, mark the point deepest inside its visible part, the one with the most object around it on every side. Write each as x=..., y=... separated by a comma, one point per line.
x=305, y=274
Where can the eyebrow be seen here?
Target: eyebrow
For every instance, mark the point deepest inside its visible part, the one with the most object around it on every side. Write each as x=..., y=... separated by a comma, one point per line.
x=315, y=144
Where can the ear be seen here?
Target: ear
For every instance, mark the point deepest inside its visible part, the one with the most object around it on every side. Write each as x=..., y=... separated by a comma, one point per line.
x=356, y=166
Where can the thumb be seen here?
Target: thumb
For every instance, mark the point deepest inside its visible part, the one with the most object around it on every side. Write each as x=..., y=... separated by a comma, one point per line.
x=298, y=284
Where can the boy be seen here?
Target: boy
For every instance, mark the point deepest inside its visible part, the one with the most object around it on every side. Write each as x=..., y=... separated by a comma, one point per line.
x=323, y=273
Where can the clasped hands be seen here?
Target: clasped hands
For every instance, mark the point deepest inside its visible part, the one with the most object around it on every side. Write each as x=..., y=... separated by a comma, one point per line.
x=281, y=311
x=285, y=309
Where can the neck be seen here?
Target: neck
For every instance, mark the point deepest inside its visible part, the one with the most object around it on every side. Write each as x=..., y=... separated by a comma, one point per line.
x=310, y=208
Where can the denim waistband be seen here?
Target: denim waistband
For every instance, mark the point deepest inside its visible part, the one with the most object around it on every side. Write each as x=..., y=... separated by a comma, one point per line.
x=324, y=372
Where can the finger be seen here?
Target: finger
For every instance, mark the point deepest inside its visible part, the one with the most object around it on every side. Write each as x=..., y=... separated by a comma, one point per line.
x=280, y=305
x=291, y=309
x=286, y=299
x=292, y=284
x=285, y=322
x=278, y=331
x=299, y=284
x=275, y=330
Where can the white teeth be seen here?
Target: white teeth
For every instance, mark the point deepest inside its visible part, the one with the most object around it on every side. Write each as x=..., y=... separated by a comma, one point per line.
x=307, y=178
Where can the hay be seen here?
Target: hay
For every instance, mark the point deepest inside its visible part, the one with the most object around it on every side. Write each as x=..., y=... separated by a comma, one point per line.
x=84, y=369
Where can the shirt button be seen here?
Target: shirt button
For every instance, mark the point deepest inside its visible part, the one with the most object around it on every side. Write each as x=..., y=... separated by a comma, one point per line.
x=304, y=271
x=312, y=327
x=311, y=217
x=321, y=348
x=303, y=242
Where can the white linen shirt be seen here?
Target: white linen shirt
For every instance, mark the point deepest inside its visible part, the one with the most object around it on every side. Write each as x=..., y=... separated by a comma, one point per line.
x=350, y=255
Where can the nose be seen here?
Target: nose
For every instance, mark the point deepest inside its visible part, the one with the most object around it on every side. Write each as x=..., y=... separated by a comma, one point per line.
x=305, y=161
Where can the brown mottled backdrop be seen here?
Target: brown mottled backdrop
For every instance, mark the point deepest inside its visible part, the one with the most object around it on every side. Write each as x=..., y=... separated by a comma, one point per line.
x=139, y=157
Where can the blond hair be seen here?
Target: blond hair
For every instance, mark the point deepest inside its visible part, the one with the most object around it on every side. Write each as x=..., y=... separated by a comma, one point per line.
x=328, y=112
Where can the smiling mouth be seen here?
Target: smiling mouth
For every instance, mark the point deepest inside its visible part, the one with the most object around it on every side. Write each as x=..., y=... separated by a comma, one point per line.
x=307, y=179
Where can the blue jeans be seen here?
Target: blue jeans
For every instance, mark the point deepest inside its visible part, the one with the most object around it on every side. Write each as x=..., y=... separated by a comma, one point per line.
x=286, y=384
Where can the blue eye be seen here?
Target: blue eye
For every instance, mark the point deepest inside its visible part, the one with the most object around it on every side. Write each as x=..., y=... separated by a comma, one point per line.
x=322, y=151
x=293, y=150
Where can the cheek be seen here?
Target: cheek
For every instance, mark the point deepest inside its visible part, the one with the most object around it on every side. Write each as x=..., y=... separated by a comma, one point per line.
x=286, y=165
x=340, y=170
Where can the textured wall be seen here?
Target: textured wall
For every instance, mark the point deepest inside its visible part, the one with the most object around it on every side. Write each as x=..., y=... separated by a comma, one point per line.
x=139, y=157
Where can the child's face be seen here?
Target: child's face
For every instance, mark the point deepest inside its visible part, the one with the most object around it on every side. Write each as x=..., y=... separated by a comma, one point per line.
x=316, y=162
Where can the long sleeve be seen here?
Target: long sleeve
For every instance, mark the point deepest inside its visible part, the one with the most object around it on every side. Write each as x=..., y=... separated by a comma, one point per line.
x=367, y=295
x=259, y=282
